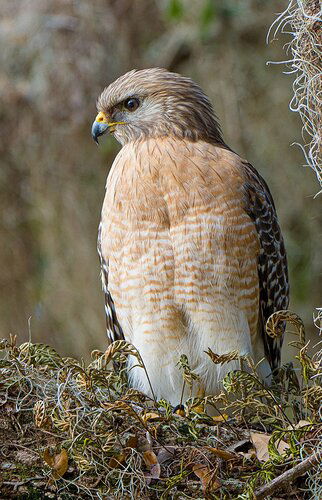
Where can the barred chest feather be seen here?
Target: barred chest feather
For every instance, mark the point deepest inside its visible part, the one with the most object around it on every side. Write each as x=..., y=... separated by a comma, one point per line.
x=182, y=255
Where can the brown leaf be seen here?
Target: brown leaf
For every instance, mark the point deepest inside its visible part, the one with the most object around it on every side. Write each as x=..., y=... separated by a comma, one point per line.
x=132, y=441
x=151, y=461
x=118, y=460
x=225, y=455
x=61, y=463
x=58, y=462
x=207, y=477
x=260, y=442
x=49, y=459
x=222, y=358
x=149, y=458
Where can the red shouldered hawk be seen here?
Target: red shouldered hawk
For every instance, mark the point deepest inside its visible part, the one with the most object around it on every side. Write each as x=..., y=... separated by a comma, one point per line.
x=191, y=251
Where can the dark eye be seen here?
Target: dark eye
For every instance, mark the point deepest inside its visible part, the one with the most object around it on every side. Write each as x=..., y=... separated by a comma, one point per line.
x=131, y=104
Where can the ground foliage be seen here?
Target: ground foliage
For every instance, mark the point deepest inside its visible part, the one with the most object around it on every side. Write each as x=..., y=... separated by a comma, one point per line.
x=68, y=430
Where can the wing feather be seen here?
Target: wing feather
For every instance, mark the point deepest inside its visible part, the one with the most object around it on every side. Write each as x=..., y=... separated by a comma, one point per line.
x=113, y=328
x=272, y=262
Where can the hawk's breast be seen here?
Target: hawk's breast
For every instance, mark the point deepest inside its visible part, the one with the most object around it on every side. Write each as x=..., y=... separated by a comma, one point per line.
x=179, y=243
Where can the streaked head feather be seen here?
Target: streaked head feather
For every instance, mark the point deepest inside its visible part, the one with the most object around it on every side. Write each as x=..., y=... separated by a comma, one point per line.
x=170, y=104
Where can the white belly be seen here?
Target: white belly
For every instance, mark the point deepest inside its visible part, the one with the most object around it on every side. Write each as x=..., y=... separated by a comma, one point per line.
x=226, y=331
x=172, y=300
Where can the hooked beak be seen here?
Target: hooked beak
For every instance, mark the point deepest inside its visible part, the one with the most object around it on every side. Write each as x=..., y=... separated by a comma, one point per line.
x=101, y=125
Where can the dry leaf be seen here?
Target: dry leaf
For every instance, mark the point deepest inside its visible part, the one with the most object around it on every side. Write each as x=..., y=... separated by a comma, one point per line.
x=118, y=460
x=151, y=461
x=260, y=442
x=49, y=459
x=149, y=458
x=301, y=423
x=207, y=478
x=225, y=455
x=166, y=454
x=198, y=408
x=248, y=454
x=180, y=411
x=132, y=441
x=40, y=413
x=243, y=448
x=220, y=418
x=58, y=462
x=155, y=471
x=151, y=416
x=222, y=358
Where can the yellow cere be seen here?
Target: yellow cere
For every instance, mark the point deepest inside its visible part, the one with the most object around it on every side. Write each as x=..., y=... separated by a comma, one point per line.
x=102, y=118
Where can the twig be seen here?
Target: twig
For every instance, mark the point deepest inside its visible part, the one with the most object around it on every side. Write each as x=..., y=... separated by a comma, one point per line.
x=16, y=484
x=287, y=477
x=182, y=392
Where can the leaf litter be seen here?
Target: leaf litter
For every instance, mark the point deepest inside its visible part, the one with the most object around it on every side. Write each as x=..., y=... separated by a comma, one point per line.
x=89, y=435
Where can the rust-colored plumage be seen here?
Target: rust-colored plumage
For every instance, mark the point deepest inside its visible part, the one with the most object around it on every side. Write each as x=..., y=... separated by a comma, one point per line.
x=191, y=251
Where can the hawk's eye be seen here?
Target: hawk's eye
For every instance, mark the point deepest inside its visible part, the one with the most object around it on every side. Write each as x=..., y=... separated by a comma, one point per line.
x=131, y=104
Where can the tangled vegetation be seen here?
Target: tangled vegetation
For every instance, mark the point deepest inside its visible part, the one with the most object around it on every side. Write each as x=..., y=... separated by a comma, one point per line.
x=75, y=431
x=302, y=20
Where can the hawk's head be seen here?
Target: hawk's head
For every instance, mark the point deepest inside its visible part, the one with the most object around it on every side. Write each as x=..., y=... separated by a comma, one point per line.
x=155, y=103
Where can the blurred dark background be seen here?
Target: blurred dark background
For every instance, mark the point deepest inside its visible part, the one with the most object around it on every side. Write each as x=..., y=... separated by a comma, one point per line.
x=56, y=57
